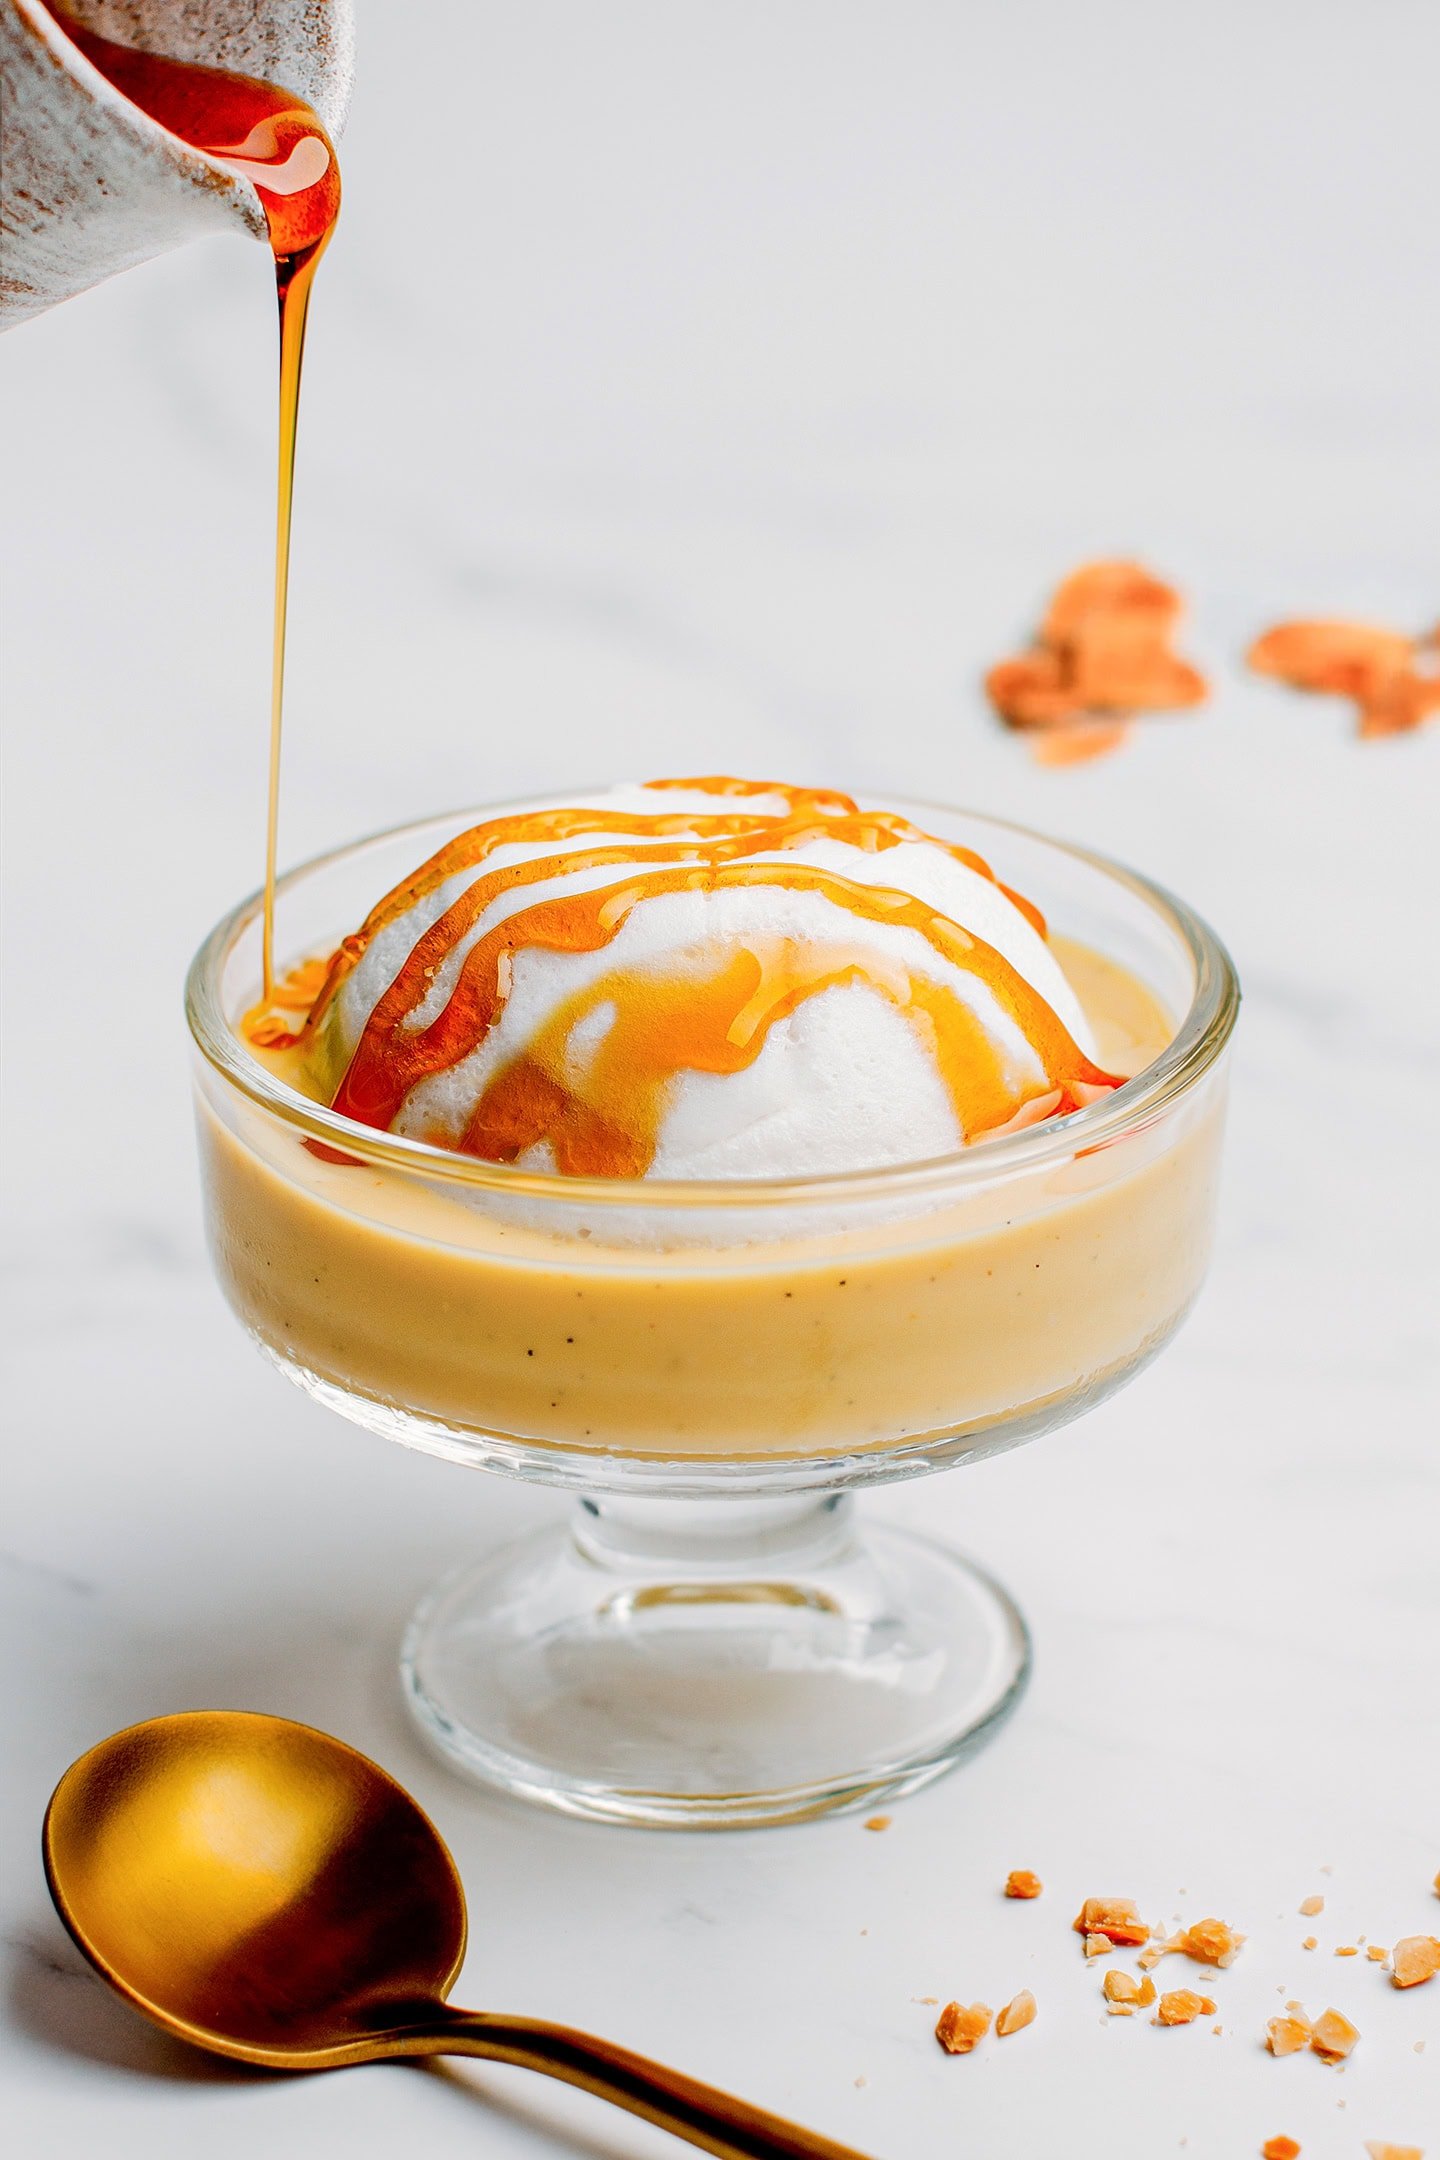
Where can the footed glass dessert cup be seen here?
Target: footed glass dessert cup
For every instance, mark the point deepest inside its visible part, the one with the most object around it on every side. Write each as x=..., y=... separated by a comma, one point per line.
x=714, y=1369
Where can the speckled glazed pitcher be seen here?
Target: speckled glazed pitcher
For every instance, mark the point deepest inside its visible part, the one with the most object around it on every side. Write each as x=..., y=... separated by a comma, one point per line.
x=89, y=184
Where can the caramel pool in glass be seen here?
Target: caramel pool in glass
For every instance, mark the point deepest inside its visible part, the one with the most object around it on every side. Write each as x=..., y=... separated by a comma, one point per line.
x=807, y=1320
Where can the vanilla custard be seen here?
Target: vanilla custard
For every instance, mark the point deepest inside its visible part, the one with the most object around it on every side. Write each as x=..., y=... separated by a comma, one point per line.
x=759, y=1321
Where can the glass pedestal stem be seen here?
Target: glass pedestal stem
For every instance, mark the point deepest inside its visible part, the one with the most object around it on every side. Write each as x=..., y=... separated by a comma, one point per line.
x=714, y=1662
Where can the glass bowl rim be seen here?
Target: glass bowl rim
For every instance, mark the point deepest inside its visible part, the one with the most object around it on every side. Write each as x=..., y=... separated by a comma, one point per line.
x=1193, y=1049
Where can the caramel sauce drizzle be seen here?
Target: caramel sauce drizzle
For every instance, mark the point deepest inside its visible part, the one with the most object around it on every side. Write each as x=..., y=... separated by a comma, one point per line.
x=601, y=1112
x=812, y=813
x=694, y=1020
x=271, y=138
x=715, y=1022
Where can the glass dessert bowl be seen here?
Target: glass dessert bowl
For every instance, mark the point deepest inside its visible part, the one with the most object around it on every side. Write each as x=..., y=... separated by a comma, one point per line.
x=715, y=1364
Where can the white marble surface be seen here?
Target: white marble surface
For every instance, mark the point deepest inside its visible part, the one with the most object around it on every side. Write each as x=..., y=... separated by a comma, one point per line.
x=699, y=386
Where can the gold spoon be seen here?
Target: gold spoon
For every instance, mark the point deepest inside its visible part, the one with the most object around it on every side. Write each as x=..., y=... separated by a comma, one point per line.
x=259, y=1889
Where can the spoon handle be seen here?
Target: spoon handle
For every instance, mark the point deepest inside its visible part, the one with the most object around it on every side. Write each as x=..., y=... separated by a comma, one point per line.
x=718, y=2124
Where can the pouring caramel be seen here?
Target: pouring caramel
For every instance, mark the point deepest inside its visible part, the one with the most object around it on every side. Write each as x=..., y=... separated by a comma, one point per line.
x=274, y=140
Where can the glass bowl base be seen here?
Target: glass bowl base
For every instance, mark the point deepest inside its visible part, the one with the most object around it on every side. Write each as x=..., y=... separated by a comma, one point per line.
x=714, y=1664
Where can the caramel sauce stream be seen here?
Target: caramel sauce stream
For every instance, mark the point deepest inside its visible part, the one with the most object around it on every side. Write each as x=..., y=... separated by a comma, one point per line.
x=271, y=138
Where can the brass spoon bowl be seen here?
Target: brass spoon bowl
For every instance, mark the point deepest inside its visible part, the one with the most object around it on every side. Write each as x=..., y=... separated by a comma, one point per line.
x=261, y=1890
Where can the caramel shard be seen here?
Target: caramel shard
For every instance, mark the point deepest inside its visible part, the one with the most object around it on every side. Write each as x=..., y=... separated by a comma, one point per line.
x=1079, y=742
x=1114, y=1918
x=1182, y=2006
x=1333, y=2036
x=1022, y=1884
x=1415, y=1959
x=1378, y=2149
x=1209, y=1942
x=1377, y=1954
x=1347, y=1949
x=1391, y=678
x=877, y=1822
x=1280, y=2148
x=1311, y=1905
x=1020, y=2011
x=1287, y=2035
x=1310, y=1942
x=1098, y=1946
x=1122, y=1993
x=959, y=2029
x=1102, y=654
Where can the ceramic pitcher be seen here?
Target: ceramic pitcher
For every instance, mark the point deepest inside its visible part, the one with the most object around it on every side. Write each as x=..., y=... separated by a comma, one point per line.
x=89, y=184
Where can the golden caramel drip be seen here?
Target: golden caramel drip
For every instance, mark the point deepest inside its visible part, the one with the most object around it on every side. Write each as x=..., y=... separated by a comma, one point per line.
x=666, y=1025
x=717, y=1022
x=813, y=814
x=278, y=1021
x=601, y=1109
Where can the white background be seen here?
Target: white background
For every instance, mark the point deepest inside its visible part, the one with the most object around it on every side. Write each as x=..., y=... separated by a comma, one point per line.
x=694, y=387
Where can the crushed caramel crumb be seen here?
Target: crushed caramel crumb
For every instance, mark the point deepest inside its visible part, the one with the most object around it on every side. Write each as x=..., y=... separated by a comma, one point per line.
x=1098, y=1946
x=1311, y=1942
x=1415, y=1959
x=1182, y=2006
x=1347, y=1949
x=878, y=1822
x=1377, y=1954
x=1333, y=2036
x=1102, y=655
x=1287, y=2035
x=1017, y=2013
x=1378, y=2149
x=1280, y=2148
x=1020, y=1883
x=1124, y=1994
x=1390, y=677
x=1115, y=1918
x=959, y=2030
x=1209, y=1942
x=1311, y=1905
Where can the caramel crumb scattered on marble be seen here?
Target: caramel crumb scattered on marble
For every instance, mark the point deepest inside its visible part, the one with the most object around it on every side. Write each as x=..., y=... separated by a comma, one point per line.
x=1414, y=1960
x=1181, y=2006
x=1020, y=1883
x=959, y=2029
x=1347, y=1949
x=1391, y=678
x=1280, y=2148
x=1017, y=2013
x=1209, y=1942
x=1333, y=2036
x=1311, y=1942
x=878, y=1822
x=1377, y=1953
x=1102, y=655
x=1115, y=1918
x=1124, y=1994
x=1287, y=2035
x=1311, y=1905
x=1380, y=2149
x=1098, y=1946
